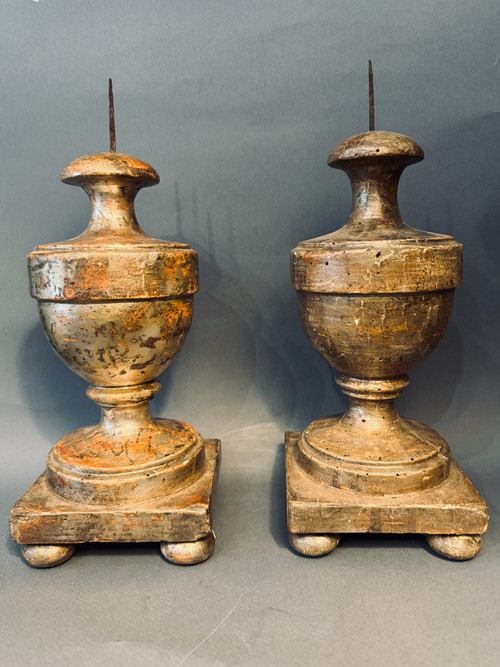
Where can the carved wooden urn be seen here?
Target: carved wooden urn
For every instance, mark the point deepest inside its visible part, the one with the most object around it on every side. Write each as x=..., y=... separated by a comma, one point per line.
x=374, y=299
x=116, y=306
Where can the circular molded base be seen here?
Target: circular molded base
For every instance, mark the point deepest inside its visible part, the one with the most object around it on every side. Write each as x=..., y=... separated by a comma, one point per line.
x=371, y=449
x=46, y=555
x=456, y=547
x=128, y=456
x=313, y=545
x=188, y=553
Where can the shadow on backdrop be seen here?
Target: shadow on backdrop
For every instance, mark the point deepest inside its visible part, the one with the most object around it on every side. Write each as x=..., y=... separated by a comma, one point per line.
x=216, y=369
x=277, y=504
x=54, y=396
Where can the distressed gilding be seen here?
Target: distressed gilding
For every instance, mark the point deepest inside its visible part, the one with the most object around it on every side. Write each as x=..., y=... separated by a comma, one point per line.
x=374, y=299
x=116, y=306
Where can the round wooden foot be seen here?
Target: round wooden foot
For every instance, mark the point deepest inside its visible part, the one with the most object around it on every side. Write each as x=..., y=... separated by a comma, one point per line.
x=313, y=545
x=188, y=553
x=456, y=547
x=46, y=555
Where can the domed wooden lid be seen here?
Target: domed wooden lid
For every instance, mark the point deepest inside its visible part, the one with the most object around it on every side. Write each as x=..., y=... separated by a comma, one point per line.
x=113, y=258
x=376, y=145
x=375, y=251
x=102, y=165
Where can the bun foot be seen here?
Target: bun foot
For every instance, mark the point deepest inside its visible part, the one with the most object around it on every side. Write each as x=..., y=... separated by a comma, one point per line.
x=313, y=545
x=46, y=555
x=456, y=547
x=188, y=553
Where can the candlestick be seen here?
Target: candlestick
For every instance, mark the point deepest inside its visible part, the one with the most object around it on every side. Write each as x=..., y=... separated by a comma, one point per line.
x=116, y=305
x=374, y=299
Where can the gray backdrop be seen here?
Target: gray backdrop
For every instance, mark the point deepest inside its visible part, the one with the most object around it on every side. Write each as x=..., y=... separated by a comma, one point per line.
x=237, y=105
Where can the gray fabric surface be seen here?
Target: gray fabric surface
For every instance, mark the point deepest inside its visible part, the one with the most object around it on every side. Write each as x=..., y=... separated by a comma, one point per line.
x=237, y=105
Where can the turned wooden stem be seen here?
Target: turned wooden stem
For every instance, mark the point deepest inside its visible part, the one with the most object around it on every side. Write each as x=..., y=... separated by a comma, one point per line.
x=124, y=409
x=374, y=413
x=113, y=208
x=126, y=418
x=371, y=404
x=375, y=196
x=122, y=419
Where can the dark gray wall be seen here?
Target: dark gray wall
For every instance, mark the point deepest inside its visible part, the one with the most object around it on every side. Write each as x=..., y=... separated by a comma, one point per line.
x=237, y=105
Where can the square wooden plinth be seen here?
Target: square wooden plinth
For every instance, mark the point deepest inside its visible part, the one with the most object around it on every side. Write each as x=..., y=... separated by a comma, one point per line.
x=452, y=508
x=41, y=517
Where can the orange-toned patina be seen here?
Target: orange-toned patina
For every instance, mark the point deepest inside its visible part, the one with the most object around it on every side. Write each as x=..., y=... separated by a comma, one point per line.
x=374, y=299
x=116, y=306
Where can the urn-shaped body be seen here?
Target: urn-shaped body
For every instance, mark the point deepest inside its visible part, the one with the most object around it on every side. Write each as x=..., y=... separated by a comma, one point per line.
x=116, y=306
x=374, y=299
x=375, y=296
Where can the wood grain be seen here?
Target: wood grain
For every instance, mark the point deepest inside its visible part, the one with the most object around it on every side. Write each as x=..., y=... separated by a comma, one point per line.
x=116, y=306
x=374, y=299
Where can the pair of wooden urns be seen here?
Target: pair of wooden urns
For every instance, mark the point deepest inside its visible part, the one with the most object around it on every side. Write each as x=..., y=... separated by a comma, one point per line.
x=374, y=299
